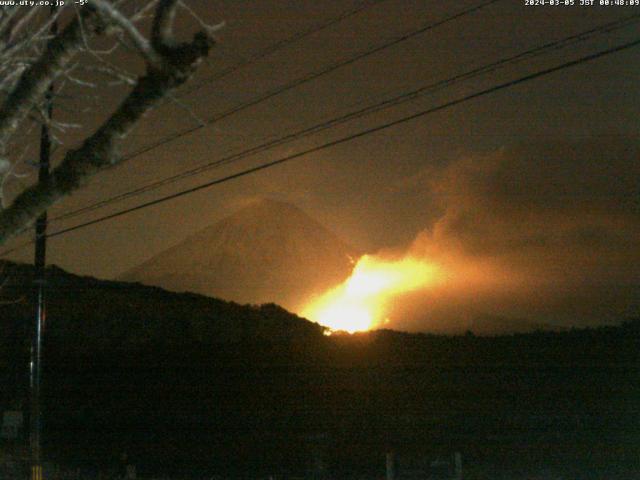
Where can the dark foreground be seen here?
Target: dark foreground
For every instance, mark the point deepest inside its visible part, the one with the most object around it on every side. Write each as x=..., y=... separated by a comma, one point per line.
x=563, y=403
x=190, y=387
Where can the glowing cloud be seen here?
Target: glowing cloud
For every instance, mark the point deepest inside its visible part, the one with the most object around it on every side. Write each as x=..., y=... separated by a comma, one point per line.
x=361, y=302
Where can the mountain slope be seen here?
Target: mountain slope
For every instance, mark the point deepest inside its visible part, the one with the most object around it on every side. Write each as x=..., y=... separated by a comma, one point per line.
x=267, y=252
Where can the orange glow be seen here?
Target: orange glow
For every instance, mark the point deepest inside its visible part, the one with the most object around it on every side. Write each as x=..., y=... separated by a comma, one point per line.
x=360, y=302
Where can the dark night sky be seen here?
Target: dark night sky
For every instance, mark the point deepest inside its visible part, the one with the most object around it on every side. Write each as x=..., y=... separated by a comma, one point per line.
x=541, y=178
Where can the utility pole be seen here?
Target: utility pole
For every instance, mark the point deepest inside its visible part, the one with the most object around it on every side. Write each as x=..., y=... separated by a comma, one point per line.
x=35, y=366
x=36, y=345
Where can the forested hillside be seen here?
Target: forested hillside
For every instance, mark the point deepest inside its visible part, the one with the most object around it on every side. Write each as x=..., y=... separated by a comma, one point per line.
x=185, y=382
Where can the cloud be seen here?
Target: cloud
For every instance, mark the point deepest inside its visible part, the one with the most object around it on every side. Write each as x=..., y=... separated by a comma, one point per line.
x=545, y=232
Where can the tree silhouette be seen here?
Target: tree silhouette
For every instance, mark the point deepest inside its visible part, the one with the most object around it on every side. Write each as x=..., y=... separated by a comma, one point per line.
x=33, y=57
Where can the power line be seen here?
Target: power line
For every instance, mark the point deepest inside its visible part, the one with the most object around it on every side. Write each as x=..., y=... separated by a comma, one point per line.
x=232, y=69
x=272, y=93
x=271, y=49
x=345, y=139
x=557, y=44
x=397, y=100
x=259, y=56
x=354, y=136
x=313, y=76
x=278, y=46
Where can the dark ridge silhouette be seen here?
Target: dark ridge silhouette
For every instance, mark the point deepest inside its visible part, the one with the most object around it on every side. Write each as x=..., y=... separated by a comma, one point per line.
x=188, y=384
x=491, y=325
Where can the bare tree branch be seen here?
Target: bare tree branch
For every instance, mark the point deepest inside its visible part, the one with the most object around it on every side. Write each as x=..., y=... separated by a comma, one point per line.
x=35, y=81
x=139, y=41
x=173, y=64
x=162, y=30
